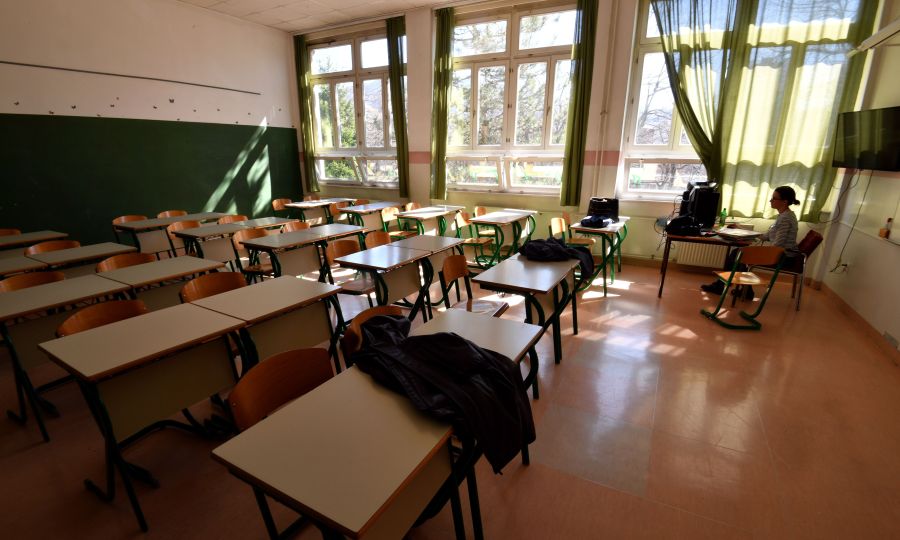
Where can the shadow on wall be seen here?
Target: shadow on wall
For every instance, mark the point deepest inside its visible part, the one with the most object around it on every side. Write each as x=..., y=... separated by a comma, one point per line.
x=246, y=188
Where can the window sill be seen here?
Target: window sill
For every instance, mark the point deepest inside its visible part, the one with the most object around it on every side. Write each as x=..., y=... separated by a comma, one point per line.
x=517, y=193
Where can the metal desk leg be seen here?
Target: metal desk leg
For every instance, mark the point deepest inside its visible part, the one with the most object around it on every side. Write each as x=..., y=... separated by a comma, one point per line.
x=664, y=267
x=24, y=390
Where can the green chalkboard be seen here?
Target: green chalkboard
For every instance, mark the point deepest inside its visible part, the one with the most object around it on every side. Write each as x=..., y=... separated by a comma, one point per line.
x=75, y=174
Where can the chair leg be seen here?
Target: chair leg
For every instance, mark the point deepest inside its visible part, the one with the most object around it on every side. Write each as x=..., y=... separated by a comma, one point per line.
x=800, y=291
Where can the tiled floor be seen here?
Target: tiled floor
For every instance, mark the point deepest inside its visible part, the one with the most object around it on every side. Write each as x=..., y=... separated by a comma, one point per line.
x=657, y=424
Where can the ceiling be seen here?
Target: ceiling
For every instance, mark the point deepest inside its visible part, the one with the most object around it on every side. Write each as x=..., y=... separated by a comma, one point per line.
x=306, y=15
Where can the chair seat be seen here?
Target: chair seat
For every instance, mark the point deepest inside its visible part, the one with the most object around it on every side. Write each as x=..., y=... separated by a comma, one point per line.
x=402, y=234
x=477, y=241
x=740, y=278
x=488, y=307
x=580, y=241
x=360, y=286
x=258, y=269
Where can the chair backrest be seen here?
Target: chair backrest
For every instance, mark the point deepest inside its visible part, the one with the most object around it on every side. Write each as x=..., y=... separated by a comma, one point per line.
x=311, y=197
x=809, y=243
x=9, y=232
x=389, y=214
x=761, y=255
x=231, y=219
x=351, y=341
x=127, y=218
x=276, y=381
x=124, y=260
x=177, y=242
x=295, y=226
x=377, y=238
x=462, y=219
x=171, y=213
x=455, y=267
x=101, y=314
x=557, y=226
x=360, y=202
x=279, y=204
x=52, y=245
x=211, y=284
x=480, y=211
x=411, y=206
x=339, y=248
x=31, y=279
x=245, y=234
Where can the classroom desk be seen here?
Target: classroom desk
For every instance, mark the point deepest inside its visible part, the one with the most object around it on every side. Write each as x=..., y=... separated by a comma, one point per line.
x=438, y=248
x=545, y=287
x=368, y=215
x=354, y=457
x=509, y=217
x=394, y=274
x=30, y=238
x=316, y=212
x=149, y=235
x=421, y=216
x=281, y=314
x=77, y=261
x=611, y=238
x=18, y=264
x=266, y=222
x=140, y=277
x=23, y=336
x=300, y=252
x=136, y=373
x=708, y=240
x=214, y=241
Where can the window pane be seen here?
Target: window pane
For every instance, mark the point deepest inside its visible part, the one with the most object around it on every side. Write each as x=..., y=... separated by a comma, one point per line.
x=655, y=105
x=531, y=85
x=475, y=173
x=337, y=169
x=374, y=53
x=346, y=114
x=374, y=115
x=547, y=30
x=562, y=92
x=381, y=170
x=459, y=128
x=652, y=27
x=479, y=38
x=331, y=59
x=324, y=117
x=673, y=177
x=491, y=86
x=536, y=173
x=390, y=106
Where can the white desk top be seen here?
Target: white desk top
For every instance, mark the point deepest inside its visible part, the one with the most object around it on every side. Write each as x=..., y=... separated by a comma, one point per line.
x=341, y=453
x=89, y=253
x=381, y=258
x=269, y=298
x=150, y=273
x=519, y=274
x=266, y=222
x=501, y=217
x=161, y=223
x=431, y=244
x=107, y=350
x=610, y=229
x=370, y=208
x=430, y=212
x=29, y=238
x=207, y=231
x=306, y=205
x=507, y=337
x=296, y=239
x=18, y=263
x=59, y=293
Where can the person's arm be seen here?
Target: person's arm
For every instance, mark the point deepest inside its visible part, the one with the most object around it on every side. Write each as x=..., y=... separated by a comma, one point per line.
x=779, y=234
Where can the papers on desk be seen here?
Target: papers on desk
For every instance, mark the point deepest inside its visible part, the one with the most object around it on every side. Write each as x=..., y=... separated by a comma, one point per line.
x=738, y=234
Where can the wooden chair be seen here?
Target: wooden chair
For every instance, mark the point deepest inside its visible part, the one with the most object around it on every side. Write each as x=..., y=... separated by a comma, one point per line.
x=411, y=206
x=351, y=341
x=478, y=243
x=176, y=242
x=30, y=279
x=377, y=238
x=360, y=202
x=559, y=226
x=483, y=232
x=797, y=267
x=231, y=219
x=125, y=219
x=455, y=268
x=357, y=286
x=211, y=284
x=278, y=205
x=389, y=216
x=171, y=213
x=123, y=261
x=311, y=197
x=334, y=212
x=267, y=387
x=771, y=256
x=249, y=262
x=9, y=232
x=101, y=314
x=52, y=245
x=295, y=226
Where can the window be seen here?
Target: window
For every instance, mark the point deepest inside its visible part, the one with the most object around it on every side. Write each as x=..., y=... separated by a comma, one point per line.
x=352, y=115
x=659, y=158
x=509, y=100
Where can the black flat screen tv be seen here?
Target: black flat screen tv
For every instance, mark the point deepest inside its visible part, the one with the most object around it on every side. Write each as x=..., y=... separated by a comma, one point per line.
x=868, y=140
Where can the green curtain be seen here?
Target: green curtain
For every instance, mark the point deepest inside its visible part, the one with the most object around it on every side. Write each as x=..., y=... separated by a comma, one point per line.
x=443, y=73
x=396, y=30
x=758, y=85
x=579, y=102
x=304, y=92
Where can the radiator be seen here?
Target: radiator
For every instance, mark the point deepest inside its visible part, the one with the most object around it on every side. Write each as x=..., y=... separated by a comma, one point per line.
x=701, y=255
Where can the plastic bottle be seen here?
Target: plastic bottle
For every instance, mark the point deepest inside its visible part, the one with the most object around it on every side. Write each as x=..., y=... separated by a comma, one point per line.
x=722, y=215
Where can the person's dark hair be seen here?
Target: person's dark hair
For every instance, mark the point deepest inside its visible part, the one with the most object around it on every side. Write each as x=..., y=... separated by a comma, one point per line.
x=787, y=194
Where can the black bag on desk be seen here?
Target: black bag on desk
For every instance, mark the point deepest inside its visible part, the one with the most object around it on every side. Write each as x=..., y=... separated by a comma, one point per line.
x=605, y=208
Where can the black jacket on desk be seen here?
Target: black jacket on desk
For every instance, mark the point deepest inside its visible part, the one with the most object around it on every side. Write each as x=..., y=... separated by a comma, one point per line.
x=554, y=249
x=480, y=392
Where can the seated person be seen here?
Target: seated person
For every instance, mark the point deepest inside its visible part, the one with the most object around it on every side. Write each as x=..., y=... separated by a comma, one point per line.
x=782, y=233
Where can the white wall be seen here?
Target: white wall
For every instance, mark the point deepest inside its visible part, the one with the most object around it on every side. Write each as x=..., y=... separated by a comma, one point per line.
x=152, y=38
